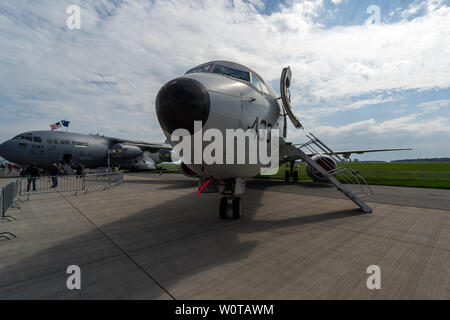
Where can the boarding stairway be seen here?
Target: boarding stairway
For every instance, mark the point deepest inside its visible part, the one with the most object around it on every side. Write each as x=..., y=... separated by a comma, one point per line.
x=67, y=168
x=344, y=178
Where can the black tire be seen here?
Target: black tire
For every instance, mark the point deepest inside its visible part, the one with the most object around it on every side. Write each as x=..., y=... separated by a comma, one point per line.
x=295, y=176
x=236, y=205
x=287, y=176
x=223, y=208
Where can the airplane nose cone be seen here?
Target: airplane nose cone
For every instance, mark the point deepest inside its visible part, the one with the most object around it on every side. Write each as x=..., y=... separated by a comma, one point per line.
x=181, y=102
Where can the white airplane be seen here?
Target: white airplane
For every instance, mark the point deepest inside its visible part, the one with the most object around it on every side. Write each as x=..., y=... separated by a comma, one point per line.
x=225, y=95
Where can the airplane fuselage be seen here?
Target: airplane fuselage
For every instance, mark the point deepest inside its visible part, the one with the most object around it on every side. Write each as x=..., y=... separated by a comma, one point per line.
x=230, y=102
x=47, y=147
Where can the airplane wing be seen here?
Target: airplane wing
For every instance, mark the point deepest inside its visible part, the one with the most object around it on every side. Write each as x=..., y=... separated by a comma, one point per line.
x=148, y=146
x=347, y=153
x=144, y=146
x=291, y=152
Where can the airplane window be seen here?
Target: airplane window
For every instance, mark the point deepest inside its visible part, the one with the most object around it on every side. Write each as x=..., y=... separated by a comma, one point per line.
x=259, y=83
x=200, y=69
x=37, y=139
x=243, y=75
x=264, y=88
x=255, y=81
x=29, y=138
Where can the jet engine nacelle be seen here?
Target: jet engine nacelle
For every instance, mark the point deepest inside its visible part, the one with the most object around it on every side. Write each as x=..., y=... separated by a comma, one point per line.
x=124, y=151
x=188, y=172
x=326, y=162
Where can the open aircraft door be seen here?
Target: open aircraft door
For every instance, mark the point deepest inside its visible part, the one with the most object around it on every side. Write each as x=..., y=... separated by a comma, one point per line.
x=285, y=83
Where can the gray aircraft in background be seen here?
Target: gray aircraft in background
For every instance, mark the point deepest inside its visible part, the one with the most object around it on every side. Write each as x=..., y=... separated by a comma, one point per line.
x=92, y=151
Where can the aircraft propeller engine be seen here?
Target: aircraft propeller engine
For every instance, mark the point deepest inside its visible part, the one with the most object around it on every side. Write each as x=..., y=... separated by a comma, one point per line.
x=326, y=162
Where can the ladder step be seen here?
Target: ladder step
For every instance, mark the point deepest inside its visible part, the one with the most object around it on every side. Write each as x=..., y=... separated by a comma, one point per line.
x=354, y=186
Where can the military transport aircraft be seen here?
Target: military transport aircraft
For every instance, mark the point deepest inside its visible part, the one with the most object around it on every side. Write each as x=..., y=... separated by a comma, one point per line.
x=226, y=95
x=92, y=151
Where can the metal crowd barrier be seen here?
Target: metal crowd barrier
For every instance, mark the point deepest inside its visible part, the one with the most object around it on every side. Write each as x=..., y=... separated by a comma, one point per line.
x=68, y=183
x=9, y=195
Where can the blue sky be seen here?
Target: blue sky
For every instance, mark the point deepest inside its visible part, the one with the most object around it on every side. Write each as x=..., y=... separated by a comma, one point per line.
x=356, y=84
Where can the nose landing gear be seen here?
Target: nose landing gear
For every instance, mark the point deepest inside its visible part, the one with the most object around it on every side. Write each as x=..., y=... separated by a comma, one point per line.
x=230, y=207
x=231, y=203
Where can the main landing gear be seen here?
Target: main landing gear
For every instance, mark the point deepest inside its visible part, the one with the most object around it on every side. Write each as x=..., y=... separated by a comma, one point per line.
x=291, y=173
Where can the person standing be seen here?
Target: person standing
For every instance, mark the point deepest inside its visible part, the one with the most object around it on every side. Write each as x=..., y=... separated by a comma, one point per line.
x=79, y=171
x=32, y=173
x=54, y=172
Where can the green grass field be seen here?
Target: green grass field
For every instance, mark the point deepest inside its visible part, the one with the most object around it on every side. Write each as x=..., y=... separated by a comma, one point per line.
x=408, y=174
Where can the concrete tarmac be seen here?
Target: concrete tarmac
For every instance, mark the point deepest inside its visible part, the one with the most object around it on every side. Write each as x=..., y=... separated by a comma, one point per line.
x=153, y=238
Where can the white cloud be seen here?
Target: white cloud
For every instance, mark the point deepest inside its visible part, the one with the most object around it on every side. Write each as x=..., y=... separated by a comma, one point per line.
x=413, y=9
x=407, y=124
x=313, y=112
x=107, y=74
x=434, y=105
x=428, y=138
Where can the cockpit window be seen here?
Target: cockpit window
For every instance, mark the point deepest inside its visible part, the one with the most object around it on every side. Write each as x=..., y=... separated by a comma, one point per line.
x=259, y=83
x=264, y=88
x=256, y=82
x=205, y=68
x=29, y=138
x=243, y=75
x=19, y=137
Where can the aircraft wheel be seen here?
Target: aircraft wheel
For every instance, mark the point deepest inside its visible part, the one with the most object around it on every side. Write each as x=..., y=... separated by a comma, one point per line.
x=223, y=208
x=295, y=176
x=237, y=208
x=287, y=176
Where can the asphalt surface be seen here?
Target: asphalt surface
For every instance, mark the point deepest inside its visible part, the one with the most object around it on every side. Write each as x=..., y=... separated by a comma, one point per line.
x=405, y=196
x=152, y=238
